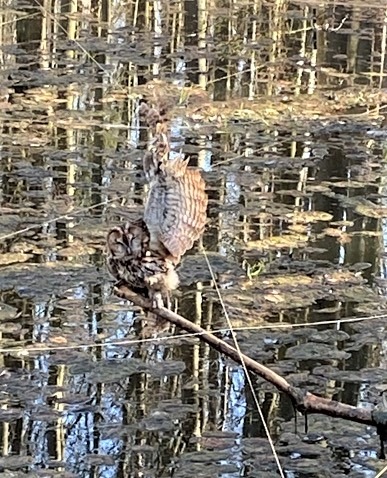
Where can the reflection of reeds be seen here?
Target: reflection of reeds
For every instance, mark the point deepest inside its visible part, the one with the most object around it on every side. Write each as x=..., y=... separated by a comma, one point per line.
x=224, y=45
x=276, y=22
x=71, y=27
x=383, y=44
x=83, y=135
x=45, y=35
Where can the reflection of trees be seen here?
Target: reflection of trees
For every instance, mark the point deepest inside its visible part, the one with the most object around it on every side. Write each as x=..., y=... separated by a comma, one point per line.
x=71, y=139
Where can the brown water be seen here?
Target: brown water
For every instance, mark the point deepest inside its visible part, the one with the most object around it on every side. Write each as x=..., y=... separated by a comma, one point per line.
x=291, y=138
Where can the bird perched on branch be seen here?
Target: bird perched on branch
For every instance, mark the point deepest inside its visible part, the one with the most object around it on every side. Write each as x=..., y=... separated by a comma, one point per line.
x=144, y=253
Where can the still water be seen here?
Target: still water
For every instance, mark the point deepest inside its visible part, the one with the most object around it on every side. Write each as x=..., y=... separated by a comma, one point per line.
x=281, y=104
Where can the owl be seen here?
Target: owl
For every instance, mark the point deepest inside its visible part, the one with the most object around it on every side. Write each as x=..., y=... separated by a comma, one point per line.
x=144, y=253
x=131, y=262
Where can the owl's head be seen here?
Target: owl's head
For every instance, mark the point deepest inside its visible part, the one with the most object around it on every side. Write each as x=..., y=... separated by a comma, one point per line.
x=129, y=241
x=137, y=237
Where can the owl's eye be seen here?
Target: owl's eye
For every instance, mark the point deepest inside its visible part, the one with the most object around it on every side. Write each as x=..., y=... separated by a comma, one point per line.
x=121, y=248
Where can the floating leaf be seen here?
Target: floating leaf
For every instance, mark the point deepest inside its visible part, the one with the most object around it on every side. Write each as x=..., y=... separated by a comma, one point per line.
x=308, y=217
x=371, y=210
x=13, y=258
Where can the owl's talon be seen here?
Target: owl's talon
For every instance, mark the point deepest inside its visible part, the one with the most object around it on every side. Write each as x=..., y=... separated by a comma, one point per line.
x=169, y=302
x=157, y=301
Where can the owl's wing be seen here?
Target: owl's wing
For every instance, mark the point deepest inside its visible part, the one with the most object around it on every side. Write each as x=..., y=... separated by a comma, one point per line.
x=175, y=213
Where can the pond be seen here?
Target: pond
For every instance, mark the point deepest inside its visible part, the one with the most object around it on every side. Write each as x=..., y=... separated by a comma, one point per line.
x=282, y=104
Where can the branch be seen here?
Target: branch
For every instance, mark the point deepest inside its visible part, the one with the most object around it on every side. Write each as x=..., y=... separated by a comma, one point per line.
x=304, y=401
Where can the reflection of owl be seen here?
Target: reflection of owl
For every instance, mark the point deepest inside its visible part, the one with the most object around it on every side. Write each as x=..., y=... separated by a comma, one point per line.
x=144, y=253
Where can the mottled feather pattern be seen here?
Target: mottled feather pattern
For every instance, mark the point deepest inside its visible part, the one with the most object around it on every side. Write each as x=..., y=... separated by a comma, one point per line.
x=142, y=272
x=175, y=212
x=125, y=245
x=144, y=253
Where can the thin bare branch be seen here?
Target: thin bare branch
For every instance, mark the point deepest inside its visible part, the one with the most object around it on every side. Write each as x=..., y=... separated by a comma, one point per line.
x=303, y=400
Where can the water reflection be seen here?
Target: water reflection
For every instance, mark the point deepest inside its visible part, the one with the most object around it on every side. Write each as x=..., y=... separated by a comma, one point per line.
x=296, y=234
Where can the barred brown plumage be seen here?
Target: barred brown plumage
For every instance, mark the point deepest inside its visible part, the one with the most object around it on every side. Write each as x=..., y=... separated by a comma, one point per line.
x=175, y=212
x=144, y=253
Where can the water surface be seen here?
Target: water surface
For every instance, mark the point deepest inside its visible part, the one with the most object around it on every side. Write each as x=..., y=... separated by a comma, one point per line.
x=282, y=107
